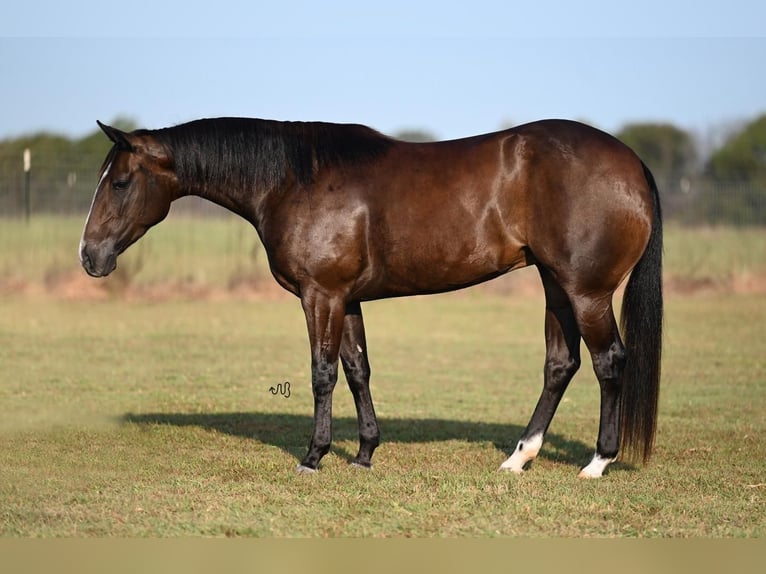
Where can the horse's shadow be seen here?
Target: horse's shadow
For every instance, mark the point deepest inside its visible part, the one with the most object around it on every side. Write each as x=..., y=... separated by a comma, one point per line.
x=290, y=432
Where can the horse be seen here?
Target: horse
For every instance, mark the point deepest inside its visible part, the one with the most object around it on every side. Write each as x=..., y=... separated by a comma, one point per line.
x=348, y=215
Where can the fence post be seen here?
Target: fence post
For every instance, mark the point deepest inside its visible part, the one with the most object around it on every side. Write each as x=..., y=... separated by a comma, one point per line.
x=27, y=173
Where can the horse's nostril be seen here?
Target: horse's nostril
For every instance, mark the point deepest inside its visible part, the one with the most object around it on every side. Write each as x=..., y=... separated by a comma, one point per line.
x=85, y=259
x=87, y=263
x=97, y=261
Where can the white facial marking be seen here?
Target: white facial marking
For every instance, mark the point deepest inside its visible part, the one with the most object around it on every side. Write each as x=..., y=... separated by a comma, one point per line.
x=359, y=348
x=92, y=202
x=103, y=175
x=596, y=467
x=525, y=451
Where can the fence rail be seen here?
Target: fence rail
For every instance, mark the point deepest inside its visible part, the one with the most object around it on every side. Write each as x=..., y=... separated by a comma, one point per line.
x=66, y=188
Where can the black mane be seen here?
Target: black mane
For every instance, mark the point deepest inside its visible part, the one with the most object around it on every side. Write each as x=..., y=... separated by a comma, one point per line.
x=253, y=153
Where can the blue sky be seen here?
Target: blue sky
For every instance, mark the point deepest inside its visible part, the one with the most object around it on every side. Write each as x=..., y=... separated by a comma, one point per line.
x=453, y=68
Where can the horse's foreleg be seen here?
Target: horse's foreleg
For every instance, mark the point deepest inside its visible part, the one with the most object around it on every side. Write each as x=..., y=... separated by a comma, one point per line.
x=356, y=366
x=562, y=359
x=324, y=318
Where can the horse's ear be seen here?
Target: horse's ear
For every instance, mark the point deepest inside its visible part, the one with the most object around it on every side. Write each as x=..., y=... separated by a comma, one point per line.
x=117, y=137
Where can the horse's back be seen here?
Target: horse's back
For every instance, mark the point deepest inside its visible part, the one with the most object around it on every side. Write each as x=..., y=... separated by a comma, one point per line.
x=555, y=192
x=432, y=217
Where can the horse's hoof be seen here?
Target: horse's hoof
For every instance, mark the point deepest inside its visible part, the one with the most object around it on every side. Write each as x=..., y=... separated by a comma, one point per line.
x=587, y=475
x=596, y=467
x=511, y=470
x=355, y=464
x=305, y=469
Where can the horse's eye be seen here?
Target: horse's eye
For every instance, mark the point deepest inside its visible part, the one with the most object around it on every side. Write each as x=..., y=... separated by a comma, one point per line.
x=120, y=184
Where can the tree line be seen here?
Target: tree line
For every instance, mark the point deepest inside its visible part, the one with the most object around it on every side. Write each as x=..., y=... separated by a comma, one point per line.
x=722, y=185
x=728, y=185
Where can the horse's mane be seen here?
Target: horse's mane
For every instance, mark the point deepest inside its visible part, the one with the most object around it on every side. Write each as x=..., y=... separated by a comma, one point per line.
x=249, y=153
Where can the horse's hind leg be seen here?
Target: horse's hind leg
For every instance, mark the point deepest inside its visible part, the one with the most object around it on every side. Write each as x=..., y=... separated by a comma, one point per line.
x=562, y=359
x=601, y=335
x=356, y=366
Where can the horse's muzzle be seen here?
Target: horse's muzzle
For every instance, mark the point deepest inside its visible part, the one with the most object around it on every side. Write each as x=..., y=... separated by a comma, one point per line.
x=98, y=262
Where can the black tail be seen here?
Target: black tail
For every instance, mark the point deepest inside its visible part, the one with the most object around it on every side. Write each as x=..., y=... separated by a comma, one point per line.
x=641, y=324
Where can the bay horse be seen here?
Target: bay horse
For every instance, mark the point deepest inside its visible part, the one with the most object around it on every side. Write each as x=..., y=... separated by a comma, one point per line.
x=347, y=215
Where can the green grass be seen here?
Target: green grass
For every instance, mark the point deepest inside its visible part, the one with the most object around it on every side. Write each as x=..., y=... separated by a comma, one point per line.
x=216, y=252
x=224, y=252
x=155, y=419
x=145, y=418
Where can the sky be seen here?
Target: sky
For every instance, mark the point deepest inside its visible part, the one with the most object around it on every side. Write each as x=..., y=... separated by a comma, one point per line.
x=452, y=68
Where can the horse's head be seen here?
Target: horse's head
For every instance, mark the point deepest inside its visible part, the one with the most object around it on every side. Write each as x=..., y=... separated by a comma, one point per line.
x=134, y=193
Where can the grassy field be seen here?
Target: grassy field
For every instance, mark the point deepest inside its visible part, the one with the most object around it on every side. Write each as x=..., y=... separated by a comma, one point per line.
x=148, y=418
x=141, y=405
x=197, y=256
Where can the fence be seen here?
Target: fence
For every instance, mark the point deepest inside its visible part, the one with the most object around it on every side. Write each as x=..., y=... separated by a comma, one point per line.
x=66, y=188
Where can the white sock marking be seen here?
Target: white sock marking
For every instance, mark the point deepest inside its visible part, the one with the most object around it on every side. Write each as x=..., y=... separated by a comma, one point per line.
x=525, y=451
x=596, y=467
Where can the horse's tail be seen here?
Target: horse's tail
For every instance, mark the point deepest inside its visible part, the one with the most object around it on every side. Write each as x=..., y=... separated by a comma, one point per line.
x=641, y=324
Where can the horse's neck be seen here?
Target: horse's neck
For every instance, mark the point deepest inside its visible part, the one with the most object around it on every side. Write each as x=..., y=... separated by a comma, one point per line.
x=245, y=203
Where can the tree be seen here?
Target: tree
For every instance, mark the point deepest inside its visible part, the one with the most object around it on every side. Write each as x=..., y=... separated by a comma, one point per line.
x=415, y=135
x=668, y=151
x=743, y=157
x=671, y=155
x=64, y=171
x=737, y=173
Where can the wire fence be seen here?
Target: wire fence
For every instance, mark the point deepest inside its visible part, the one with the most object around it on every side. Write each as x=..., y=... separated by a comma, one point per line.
x=66, y=188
